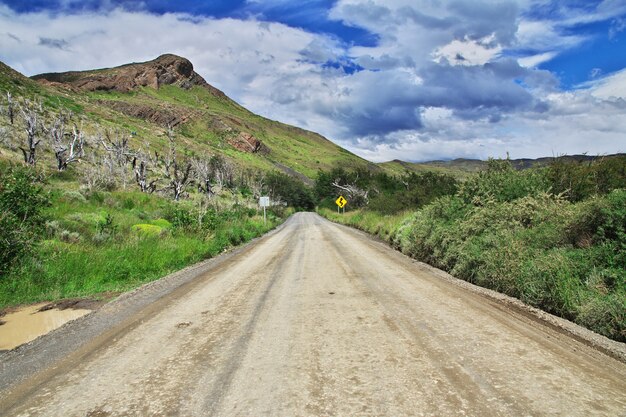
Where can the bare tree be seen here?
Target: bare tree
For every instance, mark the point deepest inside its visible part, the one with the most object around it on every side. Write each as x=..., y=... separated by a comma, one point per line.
x=203, y=176
x=10, y=109
x=257, y=184
x=30, y=119
x=66, y=151
x=223, y=172
x=97, y=173
x=355, y=195
x=117, y=145
x=4, y=137
x=141, y=163
x=177, y=172
x=119, y=154
x=140, y=168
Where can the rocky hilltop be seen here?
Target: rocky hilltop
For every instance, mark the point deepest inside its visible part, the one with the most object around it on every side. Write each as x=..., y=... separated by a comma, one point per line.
x=167, y=69
x=138, y=101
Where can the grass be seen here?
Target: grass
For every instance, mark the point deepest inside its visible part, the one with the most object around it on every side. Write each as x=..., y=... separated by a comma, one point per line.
x=381, y=226
x=96, y=242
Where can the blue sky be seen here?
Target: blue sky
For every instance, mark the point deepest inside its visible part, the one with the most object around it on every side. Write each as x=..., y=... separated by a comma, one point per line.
x=408, y=79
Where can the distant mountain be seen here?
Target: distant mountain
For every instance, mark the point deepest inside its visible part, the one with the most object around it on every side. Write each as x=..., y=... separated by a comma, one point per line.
x=141, y=99
x=462, y=167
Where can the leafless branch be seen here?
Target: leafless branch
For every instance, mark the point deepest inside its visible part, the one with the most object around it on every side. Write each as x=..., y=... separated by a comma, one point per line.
x=31, y=124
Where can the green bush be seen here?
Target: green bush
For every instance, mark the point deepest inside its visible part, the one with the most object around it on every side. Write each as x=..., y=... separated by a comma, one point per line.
x=147, y=230
x=22, y=200
x=293, y=192
x=500, y=182
x=162, y=223
x=580, y=180
x=180, y=216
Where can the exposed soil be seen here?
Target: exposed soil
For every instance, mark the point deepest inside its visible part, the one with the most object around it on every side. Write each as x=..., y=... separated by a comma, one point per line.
x=314, y=319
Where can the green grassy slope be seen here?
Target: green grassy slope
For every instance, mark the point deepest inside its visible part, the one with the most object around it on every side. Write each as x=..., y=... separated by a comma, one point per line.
x=209, y=122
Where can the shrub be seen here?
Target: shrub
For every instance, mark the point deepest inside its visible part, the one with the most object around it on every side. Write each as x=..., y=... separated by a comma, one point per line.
x=74, y=196
x=606, y=314
x=500, y=182
x=52, y=228
x=580, y=180
x=147, y=230
x=22, y=199
x=282, y=187
x=69, y=237
x=180, y=216
x=105, y=225
x=162, y=223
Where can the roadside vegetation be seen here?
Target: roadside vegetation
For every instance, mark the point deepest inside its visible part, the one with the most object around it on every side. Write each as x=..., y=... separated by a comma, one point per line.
x=72, y=242
x=553, y=237
x=85, y=212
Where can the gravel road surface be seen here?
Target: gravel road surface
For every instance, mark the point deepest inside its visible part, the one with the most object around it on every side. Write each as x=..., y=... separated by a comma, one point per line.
x=314, y=319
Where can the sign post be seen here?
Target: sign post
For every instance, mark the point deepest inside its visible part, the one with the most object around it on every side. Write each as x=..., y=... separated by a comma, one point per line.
x=264, y=202
x=341, y=203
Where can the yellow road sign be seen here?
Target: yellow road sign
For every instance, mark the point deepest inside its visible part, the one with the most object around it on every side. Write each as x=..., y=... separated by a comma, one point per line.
x=341, y=201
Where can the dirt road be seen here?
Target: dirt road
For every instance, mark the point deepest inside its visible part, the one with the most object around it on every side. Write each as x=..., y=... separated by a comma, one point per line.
x=314, y=319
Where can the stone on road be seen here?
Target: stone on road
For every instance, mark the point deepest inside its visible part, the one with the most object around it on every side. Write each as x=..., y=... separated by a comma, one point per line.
x=314, y=319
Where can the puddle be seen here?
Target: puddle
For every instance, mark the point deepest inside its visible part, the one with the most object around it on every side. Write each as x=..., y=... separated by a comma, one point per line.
x=27, y=324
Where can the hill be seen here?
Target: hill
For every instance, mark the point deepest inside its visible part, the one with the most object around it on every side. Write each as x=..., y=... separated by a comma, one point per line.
x=461, y=167
x=140, y=99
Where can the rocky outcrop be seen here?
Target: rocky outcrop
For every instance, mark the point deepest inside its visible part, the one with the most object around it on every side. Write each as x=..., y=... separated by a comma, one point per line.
x=245, y=142
x=159, y=116
x=165, y=70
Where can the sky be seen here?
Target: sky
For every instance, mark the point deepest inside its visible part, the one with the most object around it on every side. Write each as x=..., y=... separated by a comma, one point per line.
x=415, y=80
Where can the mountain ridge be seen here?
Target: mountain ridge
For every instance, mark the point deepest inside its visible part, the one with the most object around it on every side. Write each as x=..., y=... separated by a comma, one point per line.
x=144, y=98
x=465, y=166
x=167, y=69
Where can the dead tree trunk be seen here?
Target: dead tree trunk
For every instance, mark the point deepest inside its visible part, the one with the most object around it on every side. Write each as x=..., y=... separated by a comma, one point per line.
x=203, y=175
x=119, y=150
x=141, y=170
x=10, y=107
x=66, y=151
x=221, y=171
x=356, y=195
x=178, y=173
x=76, y=150
x=30, y=119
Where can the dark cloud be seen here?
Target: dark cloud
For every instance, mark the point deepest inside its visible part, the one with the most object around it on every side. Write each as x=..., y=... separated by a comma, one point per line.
x=421, y=19
x=384, y=62
x=466, y=87
x=379, y=107
x=378, y=122
x=478, y=20
x=54, y=43
x=15, y=38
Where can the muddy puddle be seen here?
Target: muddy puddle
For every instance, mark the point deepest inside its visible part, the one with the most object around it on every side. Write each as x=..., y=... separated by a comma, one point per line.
x=28, y=323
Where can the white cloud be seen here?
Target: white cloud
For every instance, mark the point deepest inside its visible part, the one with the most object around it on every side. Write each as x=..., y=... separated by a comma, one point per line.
x=534, y=60
x=545, y=35
x=611, y=87
x=468, y=51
